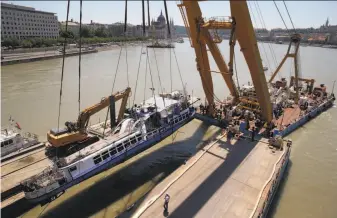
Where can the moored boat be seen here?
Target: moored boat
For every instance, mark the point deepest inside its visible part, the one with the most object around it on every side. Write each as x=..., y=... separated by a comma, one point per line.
x=14, y=139
x=161, y=45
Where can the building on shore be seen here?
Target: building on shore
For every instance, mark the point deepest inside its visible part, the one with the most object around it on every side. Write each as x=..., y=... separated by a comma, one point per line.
x=20, y=22
x=159, y=30
x=73, y=27
x=93, y=26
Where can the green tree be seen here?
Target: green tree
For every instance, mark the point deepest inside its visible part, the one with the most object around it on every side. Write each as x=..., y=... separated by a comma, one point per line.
x=101, y=32
x=7, y=43
x=86, y=32
x=15, y=42
x=38, y=42
x=26, y=43
x=49, y=42
x=66, y=34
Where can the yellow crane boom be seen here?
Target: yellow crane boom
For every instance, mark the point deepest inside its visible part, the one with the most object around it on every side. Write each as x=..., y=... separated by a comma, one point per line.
x=200, y=37
x=84, y=116
x=241, y=30
x=76, y=132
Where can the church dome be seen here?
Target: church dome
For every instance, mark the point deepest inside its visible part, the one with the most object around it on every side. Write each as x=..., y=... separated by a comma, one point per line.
x=161, y=17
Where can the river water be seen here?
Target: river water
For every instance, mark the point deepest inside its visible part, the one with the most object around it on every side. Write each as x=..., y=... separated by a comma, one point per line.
x=30, y=94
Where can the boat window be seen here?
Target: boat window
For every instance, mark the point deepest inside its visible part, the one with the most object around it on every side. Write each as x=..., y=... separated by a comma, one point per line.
x=105, y=155
x=2, y=144
x=120, y=148
x=133, y=140
x=139, y=138
x=10, y=141
x=71, y=169
x=97, y=159
x=127, y=144
x=112, y=151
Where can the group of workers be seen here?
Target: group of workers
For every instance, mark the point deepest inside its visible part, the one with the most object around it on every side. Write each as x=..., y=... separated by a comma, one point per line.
x=231, y=116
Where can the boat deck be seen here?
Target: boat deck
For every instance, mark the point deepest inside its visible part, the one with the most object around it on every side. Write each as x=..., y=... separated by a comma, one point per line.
x=290, y=115
x=222, y=180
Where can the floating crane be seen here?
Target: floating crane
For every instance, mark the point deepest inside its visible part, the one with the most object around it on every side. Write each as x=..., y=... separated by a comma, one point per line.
x=242, y=30
x=295, y=41
x=76, y=132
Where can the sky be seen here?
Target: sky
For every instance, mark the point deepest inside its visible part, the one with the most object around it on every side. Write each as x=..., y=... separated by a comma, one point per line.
x=303, y=13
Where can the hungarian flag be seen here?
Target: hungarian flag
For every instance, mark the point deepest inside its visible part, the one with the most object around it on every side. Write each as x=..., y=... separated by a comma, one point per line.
x=17, y=125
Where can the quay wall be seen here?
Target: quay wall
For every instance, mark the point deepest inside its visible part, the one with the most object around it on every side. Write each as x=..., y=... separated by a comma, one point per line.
x=42, y=57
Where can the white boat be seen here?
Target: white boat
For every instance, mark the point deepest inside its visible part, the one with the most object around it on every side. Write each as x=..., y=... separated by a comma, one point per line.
x=13, y=139
x=145, y=125
x=180, y=40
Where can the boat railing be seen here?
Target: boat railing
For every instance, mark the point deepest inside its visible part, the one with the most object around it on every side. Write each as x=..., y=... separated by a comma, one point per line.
x=30, y=136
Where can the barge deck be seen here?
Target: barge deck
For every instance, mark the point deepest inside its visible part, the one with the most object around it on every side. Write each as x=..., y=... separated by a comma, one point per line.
x=20, y=168
x=225, y=179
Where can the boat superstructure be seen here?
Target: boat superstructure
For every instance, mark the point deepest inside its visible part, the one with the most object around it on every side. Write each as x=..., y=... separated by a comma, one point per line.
x=157, y=44
x=13, y=139
x=107, y=145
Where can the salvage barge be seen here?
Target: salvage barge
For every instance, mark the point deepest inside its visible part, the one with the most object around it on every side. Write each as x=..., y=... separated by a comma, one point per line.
x=238, y=177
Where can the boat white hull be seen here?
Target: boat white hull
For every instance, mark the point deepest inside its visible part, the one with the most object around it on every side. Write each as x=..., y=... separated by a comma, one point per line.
x=164, y=132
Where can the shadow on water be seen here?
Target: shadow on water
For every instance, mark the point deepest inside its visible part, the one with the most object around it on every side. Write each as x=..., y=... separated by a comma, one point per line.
x=279, y=192
x=117, y=185
x=199, y=197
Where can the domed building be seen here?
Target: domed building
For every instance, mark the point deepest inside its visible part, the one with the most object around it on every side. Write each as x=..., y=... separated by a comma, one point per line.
x=159, y=30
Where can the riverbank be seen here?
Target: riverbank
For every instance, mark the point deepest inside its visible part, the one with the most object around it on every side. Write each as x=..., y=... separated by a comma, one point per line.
x=24, y=57
x=16, y=59
x=303, y=44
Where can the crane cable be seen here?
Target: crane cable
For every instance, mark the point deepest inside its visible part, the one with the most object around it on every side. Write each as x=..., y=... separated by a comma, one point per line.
x=126, y=46
x=153, y=92
x=140, y=60
x=170, y=36
x=289, y=16
x=117, y=67
x=268, y=43
x=112, y=89
x=143, y=7
x=148, y=14
x=281, y=17
x=181, y=78
x=146, y=64
x=140, y=57
x=79, y=62
x=265, y=53
x=79, y=72
x=160, y=84
x=62, y=72
x=263, y=24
